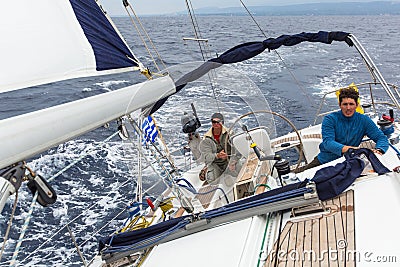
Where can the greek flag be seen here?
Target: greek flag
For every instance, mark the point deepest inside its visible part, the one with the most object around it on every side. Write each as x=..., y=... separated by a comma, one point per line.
x=149, y=130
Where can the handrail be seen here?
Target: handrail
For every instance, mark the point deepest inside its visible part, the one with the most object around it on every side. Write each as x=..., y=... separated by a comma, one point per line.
x=374, y=71
x=360, y=86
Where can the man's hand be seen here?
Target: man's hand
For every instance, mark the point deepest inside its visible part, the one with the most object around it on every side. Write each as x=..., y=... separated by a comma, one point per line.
x=377, y=151
x=221, y=155
x=346, y=148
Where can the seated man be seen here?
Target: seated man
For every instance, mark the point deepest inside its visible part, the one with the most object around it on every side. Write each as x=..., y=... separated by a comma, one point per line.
x=345, y=129
x=212, y=149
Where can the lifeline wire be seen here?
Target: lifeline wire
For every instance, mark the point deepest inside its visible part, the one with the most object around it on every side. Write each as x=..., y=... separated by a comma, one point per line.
x=33, y=202
x=9, y=224
x=71, y=221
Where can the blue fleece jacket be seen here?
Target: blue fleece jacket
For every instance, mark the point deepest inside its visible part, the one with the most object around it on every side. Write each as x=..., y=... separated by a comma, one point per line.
x=339, y=130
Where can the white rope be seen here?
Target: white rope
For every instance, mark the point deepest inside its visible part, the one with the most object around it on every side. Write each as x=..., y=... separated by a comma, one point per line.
x=142, y=38
x=148, y=37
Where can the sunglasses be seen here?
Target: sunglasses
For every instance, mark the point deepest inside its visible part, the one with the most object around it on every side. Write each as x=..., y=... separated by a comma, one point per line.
x=215, y=121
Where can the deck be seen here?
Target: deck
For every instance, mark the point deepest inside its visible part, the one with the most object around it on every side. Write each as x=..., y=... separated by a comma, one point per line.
x=327, y=240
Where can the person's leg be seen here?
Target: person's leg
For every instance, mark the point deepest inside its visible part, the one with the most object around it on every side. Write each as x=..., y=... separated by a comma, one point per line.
x=213, y=174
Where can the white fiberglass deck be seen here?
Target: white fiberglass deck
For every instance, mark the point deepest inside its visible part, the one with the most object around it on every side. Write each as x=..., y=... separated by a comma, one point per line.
x=233, y=244
x=377, y=206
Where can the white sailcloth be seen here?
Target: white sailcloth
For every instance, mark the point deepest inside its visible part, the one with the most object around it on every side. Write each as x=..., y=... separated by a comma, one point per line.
x=43, y=41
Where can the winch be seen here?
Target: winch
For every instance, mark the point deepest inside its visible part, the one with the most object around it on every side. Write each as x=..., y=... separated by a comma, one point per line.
x=386, y=124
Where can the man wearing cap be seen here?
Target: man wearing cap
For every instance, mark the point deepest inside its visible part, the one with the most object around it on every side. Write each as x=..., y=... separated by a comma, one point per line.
x=212, y=149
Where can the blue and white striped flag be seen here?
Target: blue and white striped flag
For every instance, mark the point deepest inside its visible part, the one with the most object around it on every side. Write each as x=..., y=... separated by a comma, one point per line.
x=149, y=130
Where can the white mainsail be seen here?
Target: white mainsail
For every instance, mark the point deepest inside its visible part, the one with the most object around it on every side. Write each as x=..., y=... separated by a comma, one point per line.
x=43, y=41
x=46, y=41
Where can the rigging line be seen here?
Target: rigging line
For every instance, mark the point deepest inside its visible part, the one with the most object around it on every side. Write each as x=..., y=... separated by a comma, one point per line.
x=153, y=144
x=168, y=154
x=76, y=246
x=195, y=26
x=254, y=20
x=64, y=226
x=24, y=229
x=101, y=228
x=205, y=49
x=197, y=34
x=167, y=177
x=142, y=154
x=141, y=37
x=9, y=224
x=112, y=219
x=147, y=35
x=279, y=56
x=139, y=184
x=33, y=202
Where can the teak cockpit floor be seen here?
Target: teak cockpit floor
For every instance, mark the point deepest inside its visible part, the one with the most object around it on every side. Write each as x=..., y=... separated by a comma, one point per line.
x=327, y=240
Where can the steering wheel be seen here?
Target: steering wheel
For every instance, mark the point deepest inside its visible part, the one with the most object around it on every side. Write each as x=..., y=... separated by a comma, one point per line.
x=301, y=147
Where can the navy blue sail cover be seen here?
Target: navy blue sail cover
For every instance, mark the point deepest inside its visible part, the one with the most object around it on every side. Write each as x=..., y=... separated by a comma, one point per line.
x=378, y=167
x=149, y=236
x=251, y=49
x=333, y=180
x=109, y=50
x=132, y=237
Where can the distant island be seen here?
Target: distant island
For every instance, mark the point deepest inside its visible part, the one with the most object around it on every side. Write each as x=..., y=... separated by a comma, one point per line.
x=334, y=8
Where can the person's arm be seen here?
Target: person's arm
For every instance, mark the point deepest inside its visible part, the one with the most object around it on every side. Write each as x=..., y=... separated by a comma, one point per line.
x=206, y=150
x=374, y=133
x=329, y=137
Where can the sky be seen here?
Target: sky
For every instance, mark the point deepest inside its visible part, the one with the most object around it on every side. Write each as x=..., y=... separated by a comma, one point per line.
x=151, y=7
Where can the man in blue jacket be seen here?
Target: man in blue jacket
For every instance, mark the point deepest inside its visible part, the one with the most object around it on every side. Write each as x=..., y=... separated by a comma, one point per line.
x=345, y=129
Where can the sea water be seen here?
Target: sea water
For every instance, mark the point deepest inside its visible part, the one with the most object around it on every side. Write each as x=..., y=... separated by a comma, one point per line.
x=98, y=189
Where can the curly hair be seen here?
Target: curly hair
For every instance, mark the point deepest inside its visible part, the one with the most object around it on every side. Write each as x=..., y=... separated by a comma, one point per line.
x=348, y=93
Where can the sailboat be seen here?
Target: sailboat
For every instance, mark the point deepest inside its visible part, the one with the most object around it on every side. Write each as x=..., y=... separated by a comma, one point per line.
x=264, y=215
x=270, y=213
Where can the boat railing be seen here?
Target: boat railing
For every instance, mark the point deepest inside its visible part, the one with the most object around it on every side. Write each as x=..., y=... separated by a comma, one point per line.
x=374, y=71
x=369, y=97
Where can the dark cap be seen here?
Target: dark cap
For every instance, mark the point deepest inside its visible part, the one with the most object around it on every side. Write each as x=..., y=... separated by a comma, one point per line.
x=217, y=116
